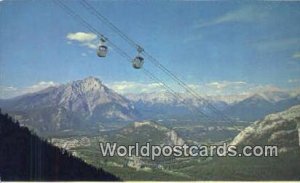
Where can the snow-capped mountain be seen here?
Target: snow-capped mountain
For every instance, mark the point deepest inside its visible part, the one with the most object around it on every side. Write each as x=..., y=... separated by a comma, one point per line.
x=164, y=105
x=87, y=103
x=275, y=96
x=162, y=97
x=77, y=104
x=240, y=107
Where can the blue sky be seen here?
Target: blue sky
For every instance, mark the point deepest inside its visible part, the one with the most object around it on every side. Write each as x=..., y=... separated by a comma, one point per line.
x=216, y=47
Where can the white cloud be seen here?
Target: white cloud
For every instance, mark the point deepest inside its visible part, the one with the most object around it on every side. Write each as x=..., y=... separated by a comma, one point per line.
x=10, y=91
x=293, y=80
x=81, y=36
x=244, y=14
x=225, y=84
x=41, y=85
x=262, y=88
x=92, y=45
x=226, y=88
x=135, y=87
x=296, y=55
x=278, y=44
x=84, y=38
x=221, y=88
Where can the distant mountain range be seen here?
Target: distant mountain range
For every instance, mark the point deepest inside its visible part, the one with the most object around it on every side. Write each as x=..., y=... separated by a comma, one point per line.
x=165, y=105
x=258, y=105
x=250, y=108
x=88, y=103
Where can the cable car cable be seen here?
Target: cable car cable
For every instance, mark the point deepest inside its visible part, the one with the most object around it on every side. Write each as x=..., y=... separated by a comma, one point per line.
x=154, y=61
x=104, y=19
x=119, y=50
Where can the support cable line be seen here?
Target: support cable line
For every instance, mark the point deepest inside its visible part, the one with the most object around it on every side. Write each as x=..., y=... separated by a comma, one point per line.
x=121, y=52
x=95, y=12
x=188, y=88
x=156, y=79
x=154, y=61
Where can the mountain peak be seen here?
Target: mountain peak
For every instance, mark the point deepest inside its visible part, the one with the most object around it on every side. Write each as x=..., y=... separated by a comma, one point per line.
x=92, y=79
x=73, y=105
x=89, y=83
x=256, y=97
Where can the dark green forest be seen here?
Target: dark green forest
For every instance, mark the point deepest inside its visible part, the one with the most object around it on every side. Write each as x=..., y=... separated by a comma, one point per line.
x=26, y=157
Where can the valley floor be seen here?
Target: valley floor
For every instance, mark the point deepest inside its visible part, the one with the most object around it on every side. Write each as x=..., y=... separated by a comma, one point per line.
x=284, y=167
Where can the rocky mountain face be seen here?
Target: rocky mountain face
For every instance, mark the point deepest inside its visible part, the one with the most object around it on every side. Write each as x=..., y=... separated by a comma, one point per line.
x=143, y=132
x=78, y=104
x=282, y=129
